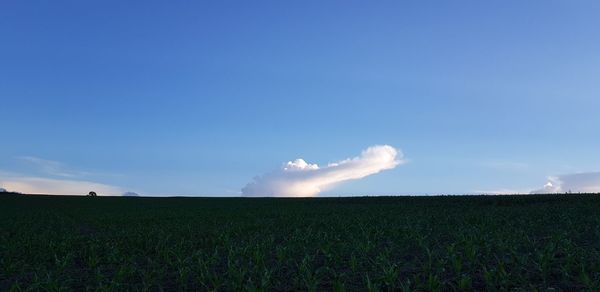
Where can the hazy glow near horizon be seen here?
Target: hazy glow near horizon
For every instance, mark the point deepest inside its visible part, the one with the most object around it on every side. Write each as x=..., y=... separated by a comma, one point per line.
x=37, y=185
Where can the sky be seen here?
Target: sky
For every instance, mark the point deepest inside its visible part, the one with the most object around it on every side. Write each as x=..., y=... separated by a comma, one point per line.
x=212, y=98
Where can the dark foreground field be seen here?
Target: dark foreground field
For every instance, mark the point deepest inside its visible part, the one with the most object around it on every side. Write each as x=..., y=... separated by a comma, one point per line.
x=415, y=243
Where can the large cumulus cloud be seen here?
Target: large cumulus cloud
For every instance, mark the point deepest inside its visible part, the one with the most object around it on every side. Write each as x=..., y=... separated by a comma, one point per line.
x=301, y=179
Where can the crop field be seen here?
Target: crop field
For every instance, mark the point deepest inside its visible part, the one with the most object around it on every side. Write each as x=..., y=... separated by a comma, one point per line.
x=378, y=243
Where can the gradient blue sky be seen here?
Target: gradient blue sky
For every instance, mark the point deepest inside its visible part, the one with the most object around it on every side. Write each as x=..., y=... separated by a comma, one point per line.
x=198, y=97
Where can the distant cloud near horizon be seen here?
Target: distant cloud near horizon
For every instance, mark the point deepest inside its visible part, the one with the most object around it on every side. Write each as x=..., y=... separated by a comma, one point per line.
x=38, y=185
x=53, y=177
x=585, y=182
x=301, y=179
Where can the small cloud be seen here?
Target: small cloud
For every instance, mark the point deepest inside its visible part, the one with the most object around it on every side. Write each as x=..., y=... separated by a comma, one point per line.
x=130, y=194
x=38, y=185
x=585, y=182
x=301, y=179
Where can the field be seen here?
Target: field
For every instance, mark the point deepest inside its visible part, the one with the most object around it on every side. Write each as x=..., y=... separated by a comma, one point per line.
x=386, y=243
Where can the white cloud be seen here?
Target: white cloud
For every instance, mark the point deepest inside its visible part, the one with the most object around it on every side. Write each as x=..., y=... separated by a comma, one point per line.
x=586, y=182
x=301, y=179
x=53, y=178
x=38, y=185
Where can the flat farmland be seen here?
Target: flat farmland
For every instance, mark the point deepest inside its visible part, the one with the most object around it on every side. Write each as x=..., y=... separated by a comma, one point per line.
x=450, y=243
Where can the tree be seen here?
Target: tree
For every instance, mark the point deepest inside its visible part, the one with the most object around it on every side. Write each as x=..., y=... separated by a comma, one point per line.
x=92, y=194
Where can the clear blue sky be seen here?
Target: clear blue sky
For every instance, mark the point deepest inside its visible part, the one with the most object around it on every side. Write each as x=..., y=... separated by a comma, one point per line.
x=198, y=97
